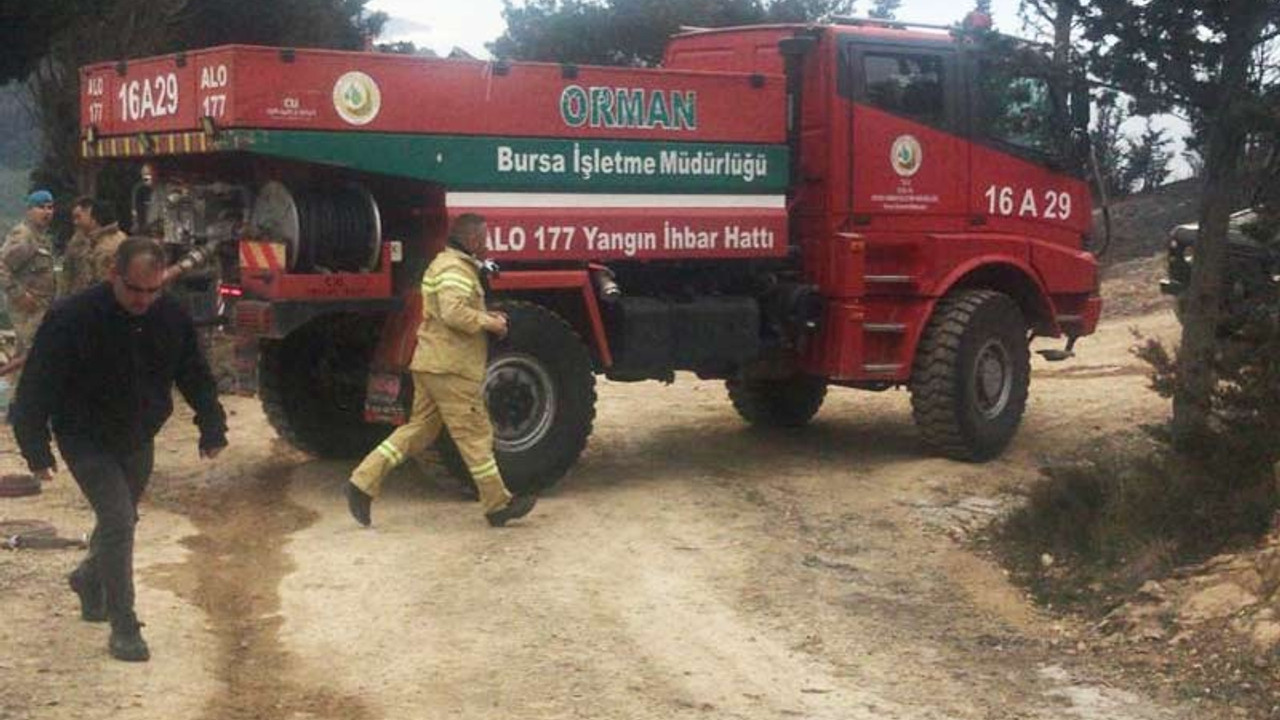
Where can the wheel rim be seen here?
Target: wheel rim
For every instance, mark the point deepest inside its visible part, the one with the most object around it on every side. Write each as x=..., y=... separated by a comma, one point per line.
x=992, y=380
x=522, y=402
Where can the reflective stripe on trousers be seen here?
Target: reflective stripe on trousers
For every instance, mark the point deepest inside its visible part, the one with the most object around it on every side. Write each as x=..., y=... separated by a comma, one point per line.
x=441, y=401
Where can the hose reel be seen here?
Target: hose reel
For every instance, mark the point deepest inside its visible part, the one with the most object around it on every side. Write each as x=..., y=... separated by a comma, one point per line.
x=324, y=229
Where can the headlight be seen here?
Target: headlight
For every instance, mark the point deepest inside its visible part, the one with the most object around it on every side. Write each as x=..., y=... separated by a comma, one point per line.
x=1180, y=250
x=1180, y=254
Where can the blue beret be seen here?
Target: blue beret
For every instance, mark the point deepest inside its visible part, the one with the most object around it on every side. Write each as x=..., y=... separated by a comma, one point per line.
x=39, y=197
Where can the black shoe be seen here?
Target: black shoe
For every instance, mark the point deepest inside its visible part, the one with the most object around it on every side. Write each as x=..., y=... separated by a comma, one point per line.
x=359, y=503
x=519, y=506
x=93, y=601
x=126, y=643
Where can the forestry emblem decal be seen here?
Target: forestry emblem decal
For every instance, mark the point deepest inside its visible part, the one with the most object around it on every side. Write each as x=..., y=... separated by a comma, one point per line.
x=357, y=98
x=906, y=156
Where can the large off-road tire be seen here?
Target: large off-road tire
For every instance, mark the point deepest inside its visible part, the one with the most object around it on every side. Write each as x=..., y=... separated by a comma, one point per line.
x=970, y=377
x=442, y=469
x=312, y=386
x=788, y=402
x=541, y=394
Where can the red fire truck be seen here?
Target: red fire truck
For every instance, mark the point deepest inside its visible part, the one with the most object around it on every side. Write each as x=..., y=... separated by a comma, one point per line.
x=864, y=205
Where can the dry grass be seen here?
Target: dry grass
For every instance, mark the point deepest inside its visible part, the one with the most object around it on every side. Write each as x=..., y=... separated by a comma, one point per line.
x=1130, y=511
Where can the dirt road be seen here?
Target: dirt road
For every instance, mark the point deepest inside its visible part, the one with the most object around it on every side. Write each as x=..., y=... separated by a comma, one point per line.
x=687, y=568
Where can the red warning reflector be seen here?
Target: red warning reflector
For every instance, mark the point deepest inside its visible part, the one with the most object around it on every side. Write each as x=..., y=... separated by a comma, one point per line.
x=267, y=256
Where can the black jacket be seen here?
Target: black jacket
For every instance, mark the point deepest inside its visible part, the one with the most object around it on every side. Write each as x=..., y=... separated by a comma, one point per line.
x=97, y=373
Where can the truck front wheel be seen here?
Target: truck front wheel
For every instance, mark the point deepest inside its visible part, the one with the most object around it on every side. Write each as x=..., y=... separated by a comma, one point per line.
x=541, y=393
x=312, y=385
x=786, y=402
x=970, y=377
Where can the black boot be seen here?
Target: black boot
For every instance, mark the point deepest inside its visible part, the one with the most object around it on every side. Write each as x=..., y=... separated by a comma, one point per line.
x=126, y=642
x=359, y=503
x=93, y=602
x=519, y=506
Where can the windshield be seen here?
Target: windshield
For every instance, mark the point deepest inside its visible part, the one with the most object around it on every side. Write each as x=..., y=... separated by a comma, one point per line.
x=1019, y=110
x=1022, y=105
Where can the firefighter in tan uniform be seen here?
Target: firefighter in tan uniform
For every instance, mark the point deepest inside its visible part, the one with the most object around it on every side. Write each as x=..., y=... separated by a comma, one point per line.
x=26, y=268
x=448, y=369
x=92, y=249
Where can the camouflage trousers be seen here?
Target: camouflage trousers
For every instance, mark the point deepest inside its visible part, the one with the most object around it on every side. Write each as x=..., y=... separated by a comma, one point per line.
x=25, y=325
x=441, y=401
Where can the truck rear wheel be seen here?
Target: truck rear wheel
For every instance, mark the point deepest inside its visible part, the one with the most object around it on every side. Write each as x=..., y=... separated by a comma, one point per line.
x=312, y=385
x=541, y=393
x=972, y=368
x=788, y=402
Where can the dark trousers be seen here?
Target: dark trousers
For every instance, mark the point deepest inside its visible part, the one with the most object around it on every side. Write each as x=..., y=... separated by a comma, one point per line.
x=113, y=482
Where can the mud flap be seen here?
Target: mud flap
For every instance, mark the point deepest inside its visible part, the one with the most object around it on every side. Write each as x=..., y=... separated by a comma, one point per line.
x=388, y=398
x=244, y=366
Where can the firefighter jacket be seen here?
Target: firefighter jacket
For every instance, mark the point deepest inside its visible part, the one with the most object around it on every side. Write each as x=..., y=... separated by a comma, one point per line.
x=89, y=258
x=26, y=270
x=451, y=338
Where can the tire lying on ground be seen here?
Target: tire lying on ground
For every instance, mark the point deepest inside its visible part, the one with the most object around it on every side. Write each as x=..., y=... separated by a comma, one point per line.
x=786, y=402
x=541, y=393
x=312, y=385
x=971, y=373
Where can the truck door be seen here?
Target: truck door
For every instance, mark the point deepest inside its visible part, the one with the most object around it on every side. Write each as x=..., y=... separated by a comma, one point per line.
x=1021, y=154
x=909, y=159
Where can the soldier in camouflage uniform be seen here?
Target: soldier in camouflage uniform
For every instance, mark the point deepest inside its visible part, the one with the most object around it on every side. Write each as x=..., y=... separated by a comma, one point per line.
x=448, y=370
x=26, y=268
x=92, y=249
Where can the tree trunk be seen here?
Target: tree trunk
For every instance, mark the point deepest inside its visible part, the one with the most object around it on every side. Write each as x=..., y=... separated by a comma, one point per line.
x=1063, y=20
x=1196, y=374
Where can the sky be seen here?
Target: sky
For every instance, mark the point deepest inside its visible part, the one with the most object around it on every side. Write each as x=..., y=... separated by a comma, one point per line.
x=444, y=24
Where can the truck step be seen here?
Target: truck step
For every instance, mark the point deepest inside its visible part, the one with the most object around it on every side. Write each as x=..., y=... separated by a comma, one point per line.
x=885, y=328
x=882, y=368
x=1055, y=355
x=904, y=282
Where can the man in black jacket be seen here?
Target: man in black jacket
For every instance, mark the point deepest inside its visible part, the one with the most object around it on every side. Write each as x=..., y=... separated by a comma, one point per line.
x=101, y=372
